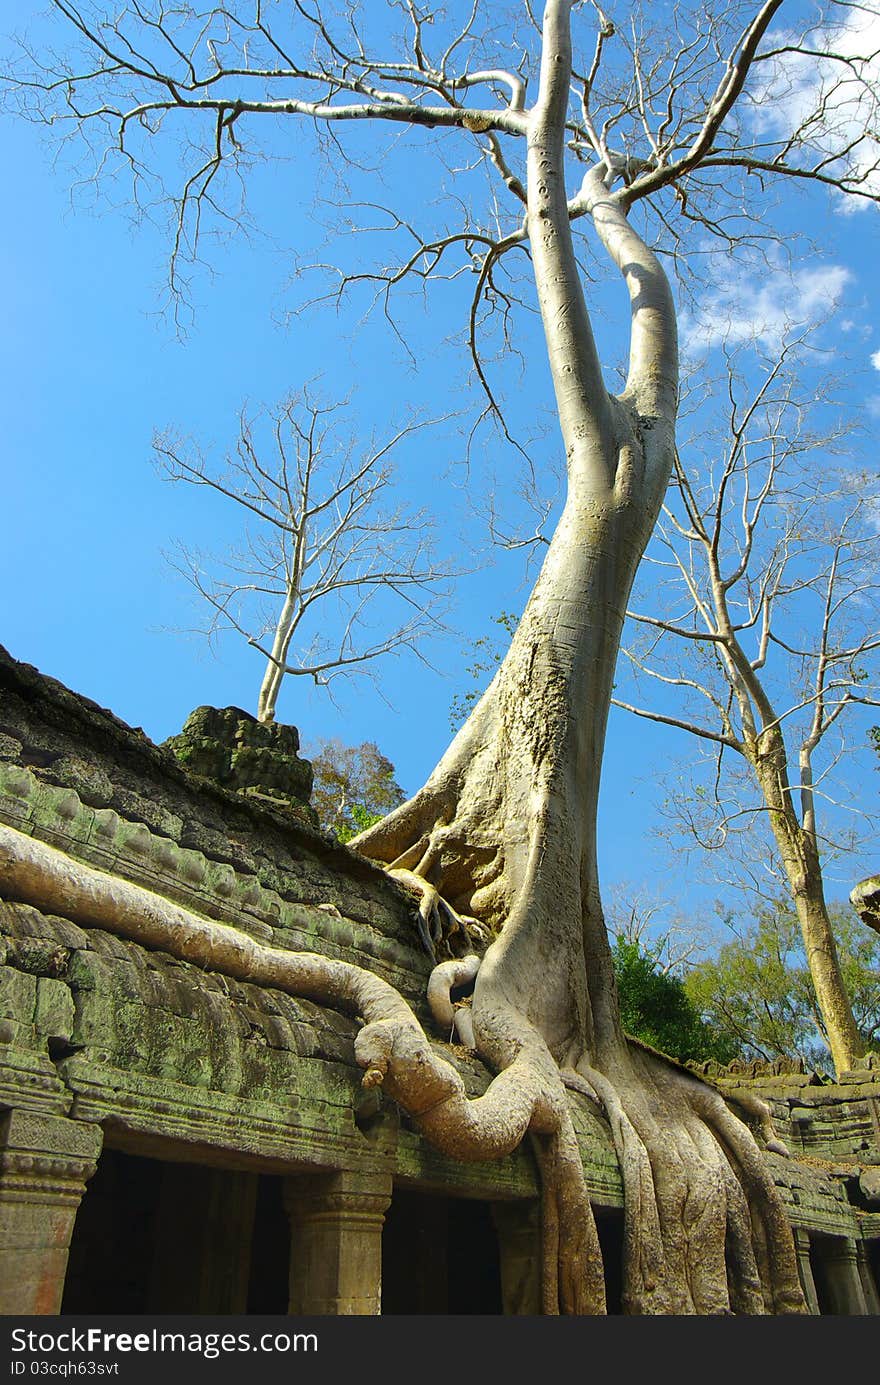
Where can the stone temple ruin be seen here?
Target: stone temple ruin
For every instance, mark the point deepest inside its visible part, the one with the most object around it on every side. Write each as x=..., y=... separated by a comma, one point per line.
x=175, y=1141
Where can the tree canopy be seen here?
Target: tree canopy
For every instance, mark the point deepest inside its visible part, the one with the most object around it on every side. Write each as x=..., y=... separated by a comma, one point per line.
x=758, y=987
x=656, y=1006
x=354, y=786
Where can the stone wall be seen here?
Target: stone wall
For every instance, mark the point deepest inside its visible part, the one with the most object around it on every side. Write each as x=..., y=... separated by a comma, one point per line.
x=831, y=1125
x=78, y=778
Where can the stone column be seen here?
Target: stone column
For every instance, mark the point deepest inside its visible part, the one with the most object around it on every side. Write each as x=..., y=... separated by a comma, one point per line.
x=805, y=1269
x=518, y=1225
x=336, y=1224
x=842, y=1274
x=45, y=1163
x=866, y=1274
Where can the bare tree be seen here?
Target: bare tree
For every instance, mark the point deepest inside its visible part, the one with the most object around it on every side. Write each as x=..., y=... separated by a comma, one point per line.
x=643, y=918
x=644, y=129
x=763, y=606
x=322, y=551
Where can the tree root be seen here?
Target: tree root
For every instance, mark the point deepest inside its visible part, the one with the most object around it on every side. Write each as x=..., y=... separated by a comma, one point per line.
x=451, y=1018
x=704, y=1230
x=441, y=928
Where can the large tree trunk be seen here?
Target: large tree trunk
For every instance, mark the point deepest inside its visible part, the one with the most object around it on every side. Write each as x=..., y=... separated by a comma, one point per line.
x=505, y=830
x=505, y=827
x=846, y=1043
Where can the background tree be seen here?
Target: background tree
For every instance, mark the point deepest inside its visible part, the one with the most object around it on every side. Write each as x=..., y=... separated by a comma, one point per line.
x=638, y=915
x=758, y=987
x=646, y=121
x=354, y=786
x=325, y=559
x=759, y=611
x=657, y=1007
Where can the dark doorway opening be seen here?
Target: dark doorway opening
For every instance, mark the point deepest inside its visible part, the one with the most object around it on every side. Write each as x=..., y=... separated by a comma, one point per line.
x=439, y=1255
x=111, y=1252
x=269, y=1291
x=157, y=1237
x=609, y=1224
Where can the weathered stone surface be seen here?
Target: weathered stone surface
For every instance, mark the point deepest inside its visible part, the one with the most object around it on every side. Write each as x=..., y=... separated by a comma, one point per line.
x=91, y=783
x=865, y=899
x=182, y=1063
x=336, y=1243
x=241, y=860
x=232, y=748
x=10, y=748
x=869, y=1183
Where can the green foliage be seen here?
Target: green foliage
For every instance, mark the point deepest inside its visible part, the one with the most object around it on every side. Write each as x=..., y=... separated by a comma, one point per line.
x=655, y=1007
x=489, y=650
x=354, y=786
x=759, y=989
x=362, y=818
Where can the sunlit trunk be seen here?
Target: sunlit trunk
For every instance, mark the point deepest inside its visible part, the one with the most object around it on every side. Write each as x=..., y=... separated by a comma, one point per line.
x=798, y=852
x=274, y=675
x=505, y=828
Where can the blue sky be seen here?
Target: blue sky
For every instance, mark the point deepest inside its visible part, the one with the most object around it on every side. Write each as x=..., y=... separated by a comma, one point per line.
x=91, y=364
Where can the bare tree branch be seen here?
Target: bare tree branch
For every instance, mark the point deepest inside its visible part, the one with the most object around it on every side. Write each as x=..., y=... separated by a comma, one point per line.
x=326, y=548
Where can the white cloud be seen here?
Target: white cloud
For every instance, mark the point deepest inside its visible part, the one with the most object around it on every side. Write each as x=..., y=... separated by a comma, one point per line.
x=875, y=360
x=832, y=99
x=762, y=306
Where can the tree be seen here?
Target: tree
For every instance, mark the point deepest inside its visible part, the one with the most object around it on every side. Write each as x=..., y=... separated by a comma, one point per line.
x=639, y=915
x=322, y=550
x=657, y=1007
x=768, y=617
x=759, y=987
x=654, y=121
x=354, y=786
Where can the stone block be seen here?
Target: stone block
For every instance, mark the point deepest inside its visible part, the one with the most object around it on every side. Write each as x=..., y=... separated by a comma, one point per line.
x=18, y=995
x=55, y=1013
x=336, y=1242
x=869, y=1186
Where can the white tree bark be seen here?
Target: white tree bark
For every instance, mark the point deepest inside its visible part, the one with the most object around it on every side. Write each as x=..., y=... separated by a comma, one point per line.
x=506, y=824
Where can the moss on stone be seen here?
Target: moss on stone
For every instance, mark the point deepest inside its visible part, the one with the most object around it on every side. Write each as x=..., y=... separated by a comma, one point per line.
x=230, y=747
